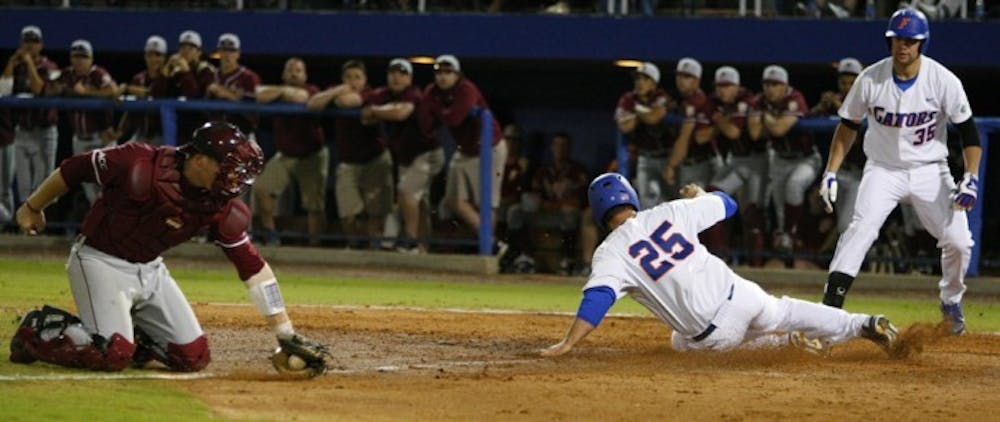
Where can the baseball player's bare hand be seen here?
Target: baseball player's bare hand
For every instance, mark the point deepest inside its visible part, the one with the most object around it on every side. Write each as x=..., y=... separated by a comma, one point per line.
x=80, y=88
x=670, y=175
x=557, y=349
x=31, y=222
x=691, y=190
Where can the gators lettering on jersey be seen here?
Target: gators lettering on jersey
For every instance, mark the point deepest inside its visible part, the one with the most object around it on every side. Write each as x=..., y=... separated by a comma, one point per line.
x=657, y=258
x=914, y=133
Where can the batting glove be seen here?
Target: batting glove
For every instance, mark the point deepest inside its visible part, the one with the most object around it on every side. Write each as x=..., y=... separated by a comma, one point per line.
x=968, y=191
x=828, y=190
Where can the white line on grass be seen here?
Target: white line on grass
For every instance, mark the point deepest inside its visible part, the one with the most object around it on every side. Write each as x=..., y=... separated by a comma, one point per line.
x=420, y=309
x=99, y=376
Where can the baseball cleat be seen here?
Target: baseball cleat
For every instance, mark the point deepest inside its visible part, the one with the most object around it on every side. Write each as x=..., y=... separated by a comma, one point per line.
x=815, y=346
x=953, y=314
x=879, y=330
x=26, y=333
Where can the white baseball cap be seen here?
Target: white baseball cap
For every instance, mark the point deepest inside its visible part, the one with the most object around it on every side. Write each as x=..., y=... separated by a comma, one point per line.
x=402, y=64
x=31, y=32
x=447, y=60
x=775, y=73
x=81, y=48
x=650, y=70
x=849, y=65
x=727, y=75
x=156, y=43
x=689, y=66
x=190, y=37
x=228, y=41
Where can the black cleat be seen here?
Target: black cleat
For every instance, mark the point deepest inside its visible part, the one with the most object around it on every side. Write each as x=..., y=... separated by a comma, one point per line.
x=879, y=330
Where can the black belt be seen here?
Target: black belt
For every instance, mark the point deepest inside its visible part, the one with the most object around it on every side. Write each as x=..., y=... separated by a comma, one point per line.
x=711, y=327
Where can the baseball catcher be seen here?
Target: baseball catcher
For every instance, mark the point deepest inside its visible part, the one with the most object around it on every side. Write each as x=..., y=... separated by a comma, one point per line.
x=131, y=309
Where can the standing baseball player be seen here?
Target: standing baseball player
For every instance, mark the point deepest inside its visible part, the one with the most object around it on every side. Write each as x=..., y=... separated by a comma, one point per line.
x=909, y=99
x=152, y=198
x=655, y=256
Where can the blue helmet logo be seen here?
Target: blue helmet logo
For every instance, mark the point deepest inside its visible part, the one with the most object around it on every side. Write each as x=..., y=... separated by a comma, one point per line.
x=607, y=191
x=909, y=23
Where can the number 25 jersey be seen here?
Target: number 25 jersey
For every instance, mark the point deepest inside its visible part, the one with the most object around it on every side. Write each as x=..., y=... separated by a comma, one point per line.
x=656, y=257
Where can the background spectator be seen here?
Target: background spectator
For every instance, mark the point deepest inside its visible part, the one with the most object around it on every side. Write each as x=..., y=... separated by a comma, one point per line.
x=302, y=155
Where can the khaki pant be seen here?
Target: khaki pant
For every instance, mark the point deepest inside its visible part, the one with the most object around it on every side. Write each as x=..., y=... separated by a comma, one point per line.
x=365, y=187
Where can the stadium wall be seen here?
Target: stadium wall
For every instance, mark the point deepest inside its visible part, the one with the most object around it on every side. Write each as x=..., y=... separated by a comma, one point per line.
x=505, y=36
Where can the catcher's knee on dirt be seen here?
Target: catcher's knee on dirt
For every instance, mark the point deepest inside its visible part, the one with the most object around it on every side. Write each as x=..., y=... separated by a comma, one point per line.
x=190, y=357
x=55, y=336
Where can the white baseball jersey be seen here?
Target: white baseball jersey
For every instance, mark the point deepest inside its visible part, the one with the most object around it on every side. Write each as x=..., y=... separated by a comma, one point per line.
x=907, y=128
x=656, y=257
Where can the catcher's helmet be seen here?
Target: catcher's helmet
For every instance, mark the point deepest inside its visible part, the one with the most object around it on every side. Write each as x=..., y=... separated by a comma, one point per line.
x=607, y=191
x=240, y=159
x=909, y=23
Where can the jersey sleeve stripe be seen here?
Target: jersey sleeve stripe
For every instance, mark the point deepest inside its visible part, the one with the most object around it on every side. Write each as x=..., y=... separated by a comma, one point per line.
x=245, y=239
x=93, y=164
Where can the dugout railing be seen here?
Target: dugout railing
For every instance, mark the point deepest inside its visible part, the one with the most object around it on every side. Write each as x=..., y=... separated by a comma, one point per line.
x=167, y=110
x=986, y=126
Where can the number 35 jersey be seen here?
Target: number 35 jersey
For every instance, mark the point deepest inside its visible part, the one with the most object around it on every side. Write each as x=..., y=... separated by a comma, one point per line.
x=907, y=127
x=657, y=259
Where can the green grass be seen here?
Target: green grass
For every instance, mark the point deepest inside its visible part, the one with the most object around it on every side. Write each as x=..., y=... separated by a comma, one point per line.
x=98, y=400
x=27, y=284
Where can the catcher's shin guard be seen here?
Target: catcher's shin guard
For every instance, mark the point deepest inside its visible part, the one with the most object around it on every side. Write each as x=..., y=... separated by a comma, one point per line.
x=189, y=357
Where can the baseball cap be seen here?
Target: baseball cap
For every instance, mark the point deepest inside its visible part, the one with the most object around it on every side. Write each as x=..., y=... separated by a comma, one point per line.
x=156, y=43
x=81, y=48
x=401, y=64
x=649, y=69
x=727, y=75
x=849, y=65
x=228, y=41
x=775, y=73
x=190, y=37
x=31, y=33
x=447, y=60
x=689, y=66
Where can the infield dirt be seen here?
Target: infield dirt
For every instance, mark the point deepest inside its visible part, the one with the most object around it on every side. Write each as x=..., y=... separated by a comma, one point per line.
x=422, y=365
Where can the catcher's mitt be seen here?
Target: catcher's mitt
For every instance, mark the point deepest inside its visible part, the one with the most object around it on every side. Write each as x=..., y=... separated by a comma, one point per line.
x=300, y=356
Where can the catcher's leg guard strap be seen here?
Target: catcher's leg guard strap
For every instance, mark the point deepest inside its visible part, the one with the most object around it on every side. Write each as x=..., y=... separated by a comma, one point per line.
x=190, y=357
x=837, y=285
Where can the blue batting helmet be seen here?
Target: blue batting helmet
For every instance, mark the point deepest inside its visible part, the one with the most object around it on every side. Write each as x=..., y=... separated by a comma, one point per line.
x=909, y=23
x=607, y=191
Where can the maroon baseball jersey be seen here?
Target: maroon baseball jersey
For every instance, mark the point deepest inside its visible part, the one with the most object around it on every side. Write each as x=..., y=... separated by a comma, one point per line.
x=697, y=108
x=28, y=118
x=355, y=142
x=87, y=124
x=737, y=113
x=244, y=81
x=191, y=84
x=146, y=125
x=453, y=108
x=565, y=184
x=298, y=135
x=147, y=206
x=404, y=139
x=795, y=143
x=656, y=140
